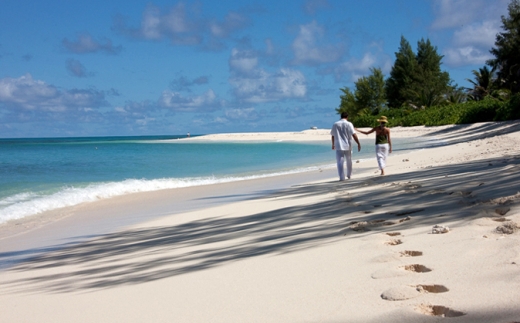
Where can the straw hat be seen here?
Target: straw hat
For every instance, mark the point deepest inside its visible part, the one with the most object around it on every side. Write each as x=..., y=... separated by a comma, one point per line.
x=382, y=119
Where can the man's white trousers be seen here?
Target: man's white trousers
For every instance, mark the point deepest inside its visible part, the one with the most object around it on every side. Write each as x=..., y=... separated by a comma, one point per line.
x=344, y=157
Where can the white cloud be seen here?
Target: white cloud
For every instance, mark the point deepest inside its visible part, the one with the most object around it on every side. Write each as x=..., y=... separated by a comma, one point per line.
x=310, y=50
x=244, y=61
x=242, y=114
x=471, y=44
x=458, y=13
x=183, y=83
x=144, y=121
x=254, y=84
x=357, y=68
x=481, y=34
x=455, y=13
x=86, y=44
x=202, y=103
x=466, y=56
x=184, y=25
x=29, y=94
x=220, y=120
x=75, y=68
x=232, y=22
x=475, y=24
x=286, y=84
x=310, y=7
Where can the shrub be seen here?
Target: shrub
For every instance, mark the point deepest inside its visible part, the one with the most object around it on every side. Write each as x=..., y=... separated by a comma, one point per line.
x=489, y=109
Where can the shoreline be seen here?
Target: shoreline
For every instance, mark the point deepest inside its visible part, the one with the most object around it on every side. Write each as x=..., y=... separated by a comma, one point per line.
x=292, y=249
x=96, y=194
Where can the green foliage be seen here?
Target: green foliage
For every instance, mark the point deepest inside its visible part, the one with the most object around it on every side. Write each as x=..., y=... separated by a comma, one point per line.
x=482, y=85
x=348, y=103
x=455, y=95
x=507, y=49
x=419, y=93
x=401, y=75
x=370, y=91
x=489, y=109
x=481, y=111
x=511, y=110
x=417, y=80
x=368, y=97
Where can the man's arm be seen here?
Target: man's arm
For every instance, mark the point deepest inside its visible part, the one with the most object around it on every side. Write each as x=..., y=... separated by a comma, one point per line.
x=357, y=141
x=332, y=142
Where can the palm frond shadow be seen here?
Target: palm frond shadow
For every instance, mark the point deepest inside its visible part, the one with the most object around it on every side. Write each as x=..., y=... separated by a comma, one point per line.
x=153, y=253
x=483, y=131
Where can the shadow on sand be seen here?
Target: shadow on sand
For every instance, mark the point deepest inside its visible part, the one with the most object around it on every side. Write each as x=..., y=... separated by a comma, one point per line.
x=143, y=255
x=453, y=192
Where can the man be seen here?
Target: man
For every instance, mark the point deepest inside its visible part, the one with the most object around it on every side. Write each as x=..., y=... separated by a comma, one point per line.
x=342, y=133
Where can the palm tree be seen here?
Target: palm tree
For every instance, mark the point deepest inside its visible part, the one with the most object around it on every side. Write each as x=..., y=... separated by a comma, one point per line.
x=482, y=85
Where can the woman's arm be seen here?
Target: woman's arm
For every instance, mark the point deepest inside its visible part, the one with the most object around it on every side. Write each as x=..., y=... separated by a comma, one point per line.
x=389, y=140
x=365, y=132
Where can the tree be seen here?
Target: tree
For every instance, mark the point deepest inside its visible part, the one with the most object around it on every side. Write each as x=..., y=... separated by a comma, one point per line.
x=482, y=85
x=368, y=98
x=417, y=80
x=507, y=50
x=456, y=95
x=430, y=83
x=401, y=75
x=370, y=91
x=348, y=103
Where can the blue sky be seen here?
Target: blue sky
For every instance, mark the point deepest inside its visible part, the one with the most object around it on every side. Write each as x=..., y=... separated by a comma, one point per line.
x=99, y=68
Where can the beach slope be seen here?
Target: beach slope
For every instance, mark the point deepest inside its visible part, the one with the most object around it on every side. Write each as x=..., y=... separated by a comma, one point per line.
x=439, y=236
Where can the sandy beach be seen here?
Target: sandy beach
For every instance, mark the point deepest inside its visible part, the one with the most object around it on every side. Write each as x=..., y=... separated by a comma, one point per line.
x=437, y=238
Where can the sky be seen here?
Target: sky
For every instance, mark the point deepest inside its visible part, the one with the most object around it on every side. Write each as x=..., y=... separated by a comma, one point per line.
x=129, y=68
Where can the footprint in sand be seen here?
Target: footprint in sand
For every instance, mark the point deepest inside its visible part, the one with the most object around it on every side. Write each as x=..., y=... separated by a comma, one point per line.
x=417, y=268
x=432, y=288
x=394, y=242
x=500, y=219
x=388, y=257
x=411, y=253
x=439, y=191
x=400, y=271
x=502, y=210
x=406, y=292
x=393, y=234
x=508, y=228
x=438, y=310
x=461, y=193
x=407, y=212
x=363, y=226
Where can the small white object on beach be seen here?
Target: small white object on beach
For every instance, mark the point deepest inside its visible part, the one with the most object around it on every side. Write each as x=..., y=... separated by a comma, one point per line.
x=440, y=229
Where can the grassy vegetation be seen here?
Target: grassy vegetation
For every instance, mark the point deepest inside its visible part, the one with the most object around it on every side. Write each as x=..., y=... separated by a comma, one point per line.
x=460, y=113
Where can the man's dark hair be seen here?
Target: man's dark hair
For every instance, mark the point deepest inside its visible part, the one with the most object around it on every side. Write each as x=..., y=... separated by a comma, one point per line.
x=344, y=115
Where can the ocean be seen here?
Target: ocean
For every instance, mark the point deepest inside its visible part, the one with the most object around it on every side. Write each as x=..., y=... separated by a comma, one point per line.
x=43, y=174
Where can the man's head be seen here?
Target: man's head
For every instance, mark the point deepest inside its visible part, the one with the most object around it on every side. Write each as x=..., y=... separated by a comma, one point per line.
x=344, y=115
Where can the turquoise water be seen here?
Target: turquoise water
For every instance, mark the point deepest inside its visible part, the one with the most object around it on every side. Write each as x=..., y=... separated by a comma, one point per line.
x=38, y=175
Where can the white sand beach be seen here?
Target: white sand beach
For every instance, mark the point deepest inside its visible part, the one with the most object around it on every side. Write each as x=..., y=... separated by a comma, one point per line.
x=296, y=248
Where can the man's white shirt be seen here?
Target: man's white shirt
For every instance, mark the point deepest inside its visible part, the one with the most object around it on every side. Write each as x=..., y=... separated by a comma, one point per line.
x=342, y=131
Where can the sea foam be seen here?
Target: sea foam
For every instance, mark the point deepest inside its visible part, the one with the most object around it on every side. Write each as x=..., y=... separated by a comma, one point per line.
x=27, y=204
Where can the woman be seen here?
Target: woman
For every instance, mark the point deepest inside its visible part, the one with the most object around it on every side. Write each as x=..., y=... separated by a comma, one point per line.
x=383, y=142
